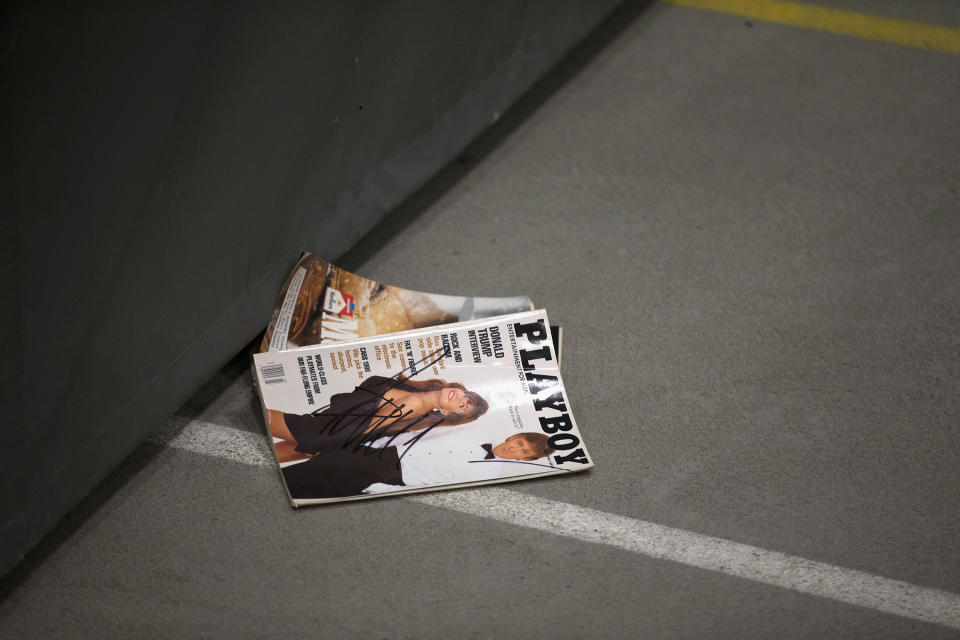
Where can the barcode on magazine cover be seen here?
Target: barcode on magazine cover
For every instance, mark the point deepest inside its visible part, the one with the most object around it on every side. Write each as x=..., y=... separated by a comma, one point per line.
x=272, y=374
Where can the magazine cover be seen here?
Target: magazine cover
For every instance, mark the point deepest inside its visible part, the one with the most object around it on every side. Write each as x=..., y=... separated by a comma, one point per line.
x=321, y=303
x=469, y=403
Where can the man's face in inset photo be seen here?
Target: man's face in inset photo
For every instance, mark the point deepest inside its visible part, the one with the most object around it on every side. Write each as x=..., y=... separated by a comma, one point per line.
x=517, y=447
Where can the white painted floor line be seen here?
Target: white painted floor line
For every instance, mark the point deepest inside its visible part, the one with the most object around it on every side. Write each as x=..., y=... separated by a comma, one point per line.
x=654, y=540
x=215, y=440
x=706, y=552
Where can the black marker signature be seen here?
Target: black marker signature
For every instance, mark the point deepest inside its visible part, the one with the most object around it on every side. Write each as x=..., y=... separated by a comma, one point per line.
x=360, y=429
x=535, y=464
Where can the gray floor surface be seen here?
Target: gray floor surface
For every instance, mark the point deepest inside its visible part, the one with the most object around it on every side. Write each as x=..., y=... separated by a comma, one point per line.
x=750, y=234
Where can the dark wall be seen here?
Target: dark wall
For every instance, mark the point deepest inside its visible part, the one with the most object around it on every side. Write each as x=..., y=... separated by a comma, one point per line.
x=163, y=164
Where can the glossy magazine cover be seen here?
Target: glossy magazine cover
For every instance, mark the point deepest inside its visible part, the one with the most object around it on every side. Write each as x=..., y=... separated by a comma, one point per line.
x=469, y=403
x=321, y=303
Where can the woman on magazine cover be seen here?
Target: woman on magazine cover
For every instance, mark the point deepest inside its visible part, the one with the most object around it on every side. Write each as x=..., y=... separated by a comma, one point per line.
x=453, y=456
x=378, y=407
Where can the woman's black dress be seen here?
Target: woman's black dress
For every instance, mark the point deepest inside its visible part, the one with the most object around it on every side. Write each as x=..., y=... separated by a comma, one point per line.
x=342, y=424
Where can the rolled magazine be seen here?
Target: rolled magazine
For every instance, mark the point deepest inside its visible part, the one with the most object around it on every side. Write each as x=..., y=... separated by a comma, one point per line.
x=321, y=303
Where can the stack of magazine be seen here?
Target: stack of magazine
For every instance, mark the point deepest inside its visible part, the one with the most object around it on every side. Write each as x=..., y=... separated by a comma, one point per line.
x=369, y=389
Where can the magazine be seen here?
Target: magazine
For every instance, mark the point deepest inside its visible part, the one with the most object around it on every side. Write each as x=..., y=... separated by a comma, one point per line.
x=321, y=303
x=469, y=403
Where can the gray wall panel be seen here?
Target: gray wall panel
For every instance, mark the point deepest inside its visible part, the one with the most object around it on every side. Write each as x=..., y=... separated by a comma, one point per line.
x=166, y=164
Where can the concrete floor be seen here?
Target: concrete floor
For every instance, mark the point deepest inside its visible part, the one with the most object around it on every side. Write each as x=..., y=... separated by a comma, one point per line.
x=750, y=234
